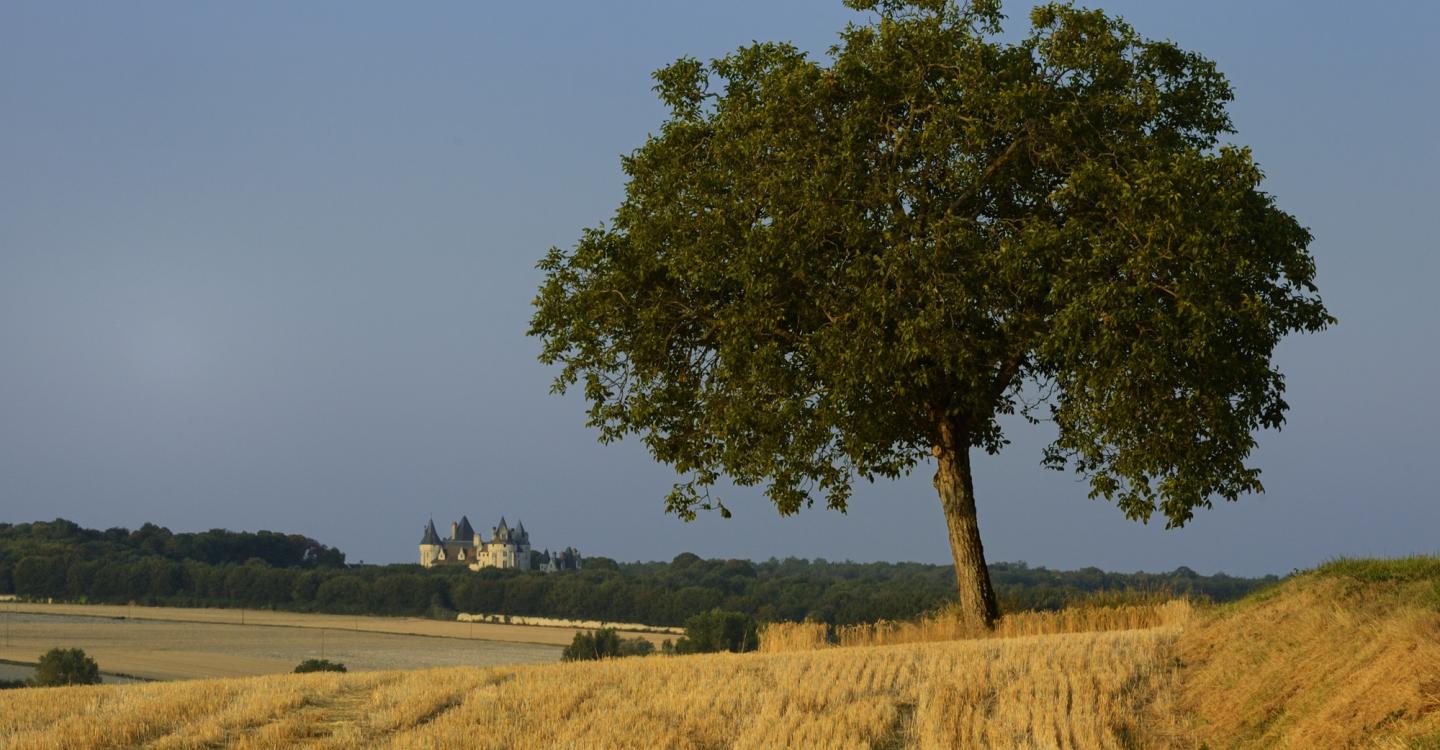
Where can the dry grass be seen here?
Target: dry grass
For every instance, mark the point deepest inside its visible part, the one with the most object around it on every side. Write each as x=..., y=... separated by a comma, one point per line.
x=1069, y=691
x=1338, y=660
x=1322, y=663
x=946, y=626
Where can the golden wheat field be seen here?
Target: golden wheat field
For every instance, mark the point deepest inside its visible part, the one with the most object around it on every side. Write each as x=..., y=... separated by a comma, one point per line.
x=1321, y=662
x=1071, y=690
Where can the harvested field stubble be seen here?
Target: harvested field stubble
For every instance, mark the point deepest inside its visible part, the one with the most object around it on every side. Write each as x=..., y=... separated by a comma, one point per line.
x=1348, y=657
x=1069, y=691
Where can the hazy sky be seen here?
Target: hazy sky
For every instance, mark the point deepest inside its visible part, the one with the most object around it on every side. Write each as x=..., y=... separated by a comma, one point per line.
x=269, y=265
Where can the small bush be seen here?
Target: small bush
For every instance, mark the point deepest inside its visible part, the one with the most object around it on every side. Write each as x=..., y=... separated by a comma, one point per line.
x=605, y=643
x=636, y=647
x=12, y=684
x=66, y=666
x=319, y=665
x=718, y=630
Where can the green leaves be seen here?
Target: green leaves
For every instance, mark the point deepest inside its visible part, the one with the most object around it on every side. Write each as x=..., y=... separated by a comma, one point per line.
x=1162, y=332
x=817, y=263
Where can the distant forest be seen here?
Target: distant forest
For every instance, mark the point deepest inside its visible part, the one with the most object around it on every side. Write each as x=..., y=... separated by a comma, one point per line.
x=267, y=570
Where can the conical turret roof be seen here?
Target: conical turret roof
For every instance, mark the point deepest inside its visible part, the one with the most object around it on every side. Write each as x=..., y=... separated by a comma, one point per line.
x=465, y=531
x=430, y=536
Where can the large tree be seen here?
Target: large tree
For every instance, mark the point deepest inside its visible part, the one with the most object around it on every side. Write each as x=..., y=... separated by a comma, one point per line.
x=839, y=269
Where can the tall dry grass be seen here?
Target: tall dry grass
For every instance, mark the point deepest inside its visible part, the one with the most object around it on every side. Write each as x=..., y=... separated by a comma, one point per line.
x=947, y=626
x=1321, y=662
x=1094, y=690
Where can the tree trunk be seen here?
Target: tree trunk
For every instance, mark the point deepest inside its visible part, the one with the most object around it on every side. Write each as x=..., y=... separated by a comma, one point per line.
x=957, y=497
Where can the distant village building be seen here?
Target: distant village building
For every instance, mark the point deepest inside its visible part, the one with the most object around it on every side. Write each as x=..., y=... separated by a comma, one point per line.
x=506, y=548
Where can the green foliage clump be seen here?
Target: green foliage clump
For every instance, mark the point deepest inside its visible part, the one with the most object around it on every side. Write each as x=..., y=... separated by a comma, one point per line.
x=66, y=666
x=319, y=665
x=718, y=630
x=605, y=643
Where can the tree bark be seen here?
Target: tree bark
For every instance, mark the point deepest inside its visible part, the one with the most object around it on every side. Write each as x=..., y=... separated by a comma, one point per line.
x=957, y=497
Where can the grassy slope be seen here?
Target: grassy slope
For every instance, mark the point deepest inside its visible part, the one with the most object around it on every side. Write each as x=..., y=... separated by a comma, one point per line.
x=1347, y=655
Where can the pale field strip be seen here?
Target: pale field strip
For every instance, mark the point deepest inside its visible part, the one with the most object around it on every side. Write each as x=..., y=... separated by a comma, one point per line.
x=552, y=622
x=167, y=650
x=489, y=631
x=1086, y=690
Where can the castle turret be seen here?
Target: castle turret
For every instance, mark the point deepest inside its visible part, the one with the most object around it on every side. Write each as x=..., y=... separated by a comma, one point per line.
x=521, y=540
x=430, y=546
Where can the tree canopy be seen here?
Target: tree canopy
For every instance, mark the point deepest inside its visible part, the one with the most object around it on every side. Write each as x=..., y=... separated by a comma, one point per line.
x=66, y=666
x=830, y=270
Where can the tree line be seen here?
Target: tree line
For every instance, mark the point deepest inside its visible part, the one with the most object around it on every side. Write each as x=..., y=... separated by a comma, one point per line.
x=214, y=547
x=61, y=561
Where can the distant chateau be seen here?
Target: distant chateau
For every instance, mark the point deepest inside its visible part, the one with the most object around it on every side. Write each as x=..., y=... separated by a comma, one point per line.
x=507, y=548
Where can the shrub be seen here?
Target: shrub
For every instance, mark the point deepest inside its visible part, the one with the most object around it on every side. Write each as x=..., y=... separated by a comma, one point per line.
x=66, y=666
x=636, y=647
x=605, y=643
x=718, y=630
x=319, y=665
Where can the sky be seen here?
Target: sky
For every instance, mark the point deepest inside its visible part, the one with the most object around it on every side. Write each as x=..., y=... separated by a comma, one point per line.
x=269, y=266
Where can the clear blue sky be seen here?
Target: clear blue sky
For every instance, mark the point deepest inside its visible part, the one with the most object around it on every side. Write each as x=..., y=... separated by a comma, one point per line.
x=269, y=265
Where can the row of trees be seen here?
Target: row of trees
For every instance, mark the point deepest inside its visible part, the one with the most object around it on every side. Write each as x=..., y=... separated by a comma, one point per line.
x=653, y=593
x=214, y=547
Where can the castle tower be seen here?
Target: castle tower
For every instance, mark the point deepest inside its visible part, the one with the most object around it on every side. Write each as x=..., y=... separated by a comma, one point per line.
x=522, y=546
x=430, y=546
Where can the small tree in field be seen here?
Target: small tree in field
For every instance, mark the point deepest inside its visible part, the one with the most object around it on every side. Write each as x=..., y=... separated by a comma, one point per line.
x=824, y=271
x=66, y=666
x=319, y=665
